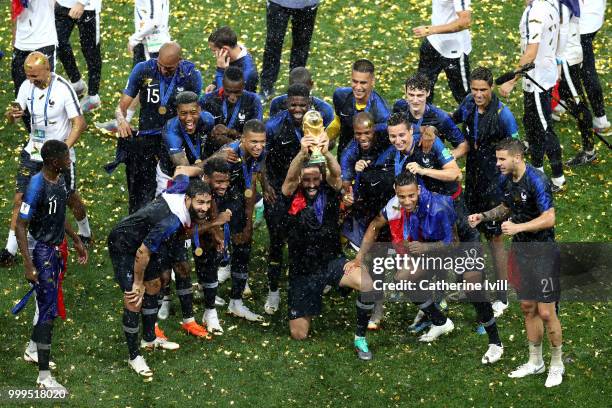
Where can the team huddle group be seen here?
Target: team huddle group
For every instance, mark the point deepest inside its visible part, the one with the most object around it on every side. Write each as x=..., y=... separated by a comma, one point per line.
x=200, y=162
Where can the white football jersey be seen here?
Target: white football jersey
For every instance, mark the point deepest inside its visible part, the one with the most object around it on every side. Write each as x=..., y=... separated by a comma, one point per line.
x=591, y=15
x=50, y=112
x=451, y=45
x=540, y=25
x=35, y=26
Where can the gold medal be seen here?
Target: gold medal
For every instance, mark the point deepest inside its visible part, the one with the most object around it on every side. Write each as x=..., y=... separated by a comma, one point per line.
x=248, y=193
x=162, y=110
x=198, y=251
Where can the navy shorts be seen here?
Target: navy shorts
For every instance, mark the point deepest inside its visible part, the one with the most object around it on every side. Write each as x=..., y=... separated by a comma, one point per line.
x=534, y=269
x=48, y=262
x=305, y=295
x=123, y=264
x=29, y=168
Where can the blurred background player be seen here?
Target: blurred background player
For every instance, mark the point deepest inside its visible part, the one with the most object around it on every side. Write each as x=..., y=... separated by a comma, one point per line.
x=447, y=44
x=302, y=14
x=223, y=43
x=86, y=15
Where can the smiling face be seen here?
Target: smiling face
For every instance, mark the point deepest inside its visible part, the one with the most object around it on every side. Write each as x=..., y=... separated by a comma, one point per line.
x=482, y=92
x=297, y=107
x=364, y=135
x=362, y=84
x=254, y=143
x=417, y=99
x=218, y=182
x=400, y=136
x=188, y=114
x=38, y=74
x=199, y=206
x=408, y=196
x=311, y=181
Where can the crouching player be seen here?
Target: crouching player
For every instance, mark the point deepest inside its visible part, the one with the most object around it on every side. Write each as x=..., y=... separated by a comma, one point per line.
x=528, y=201
x=43, y=215
x=315, y=255
x=134, y=247
x=419, y=221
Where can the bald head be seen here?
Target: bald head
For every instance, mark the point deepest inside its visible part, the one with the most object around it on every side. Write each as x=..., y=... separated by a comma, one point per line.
x=169, y=58
x=363, y=119
x=37, y=69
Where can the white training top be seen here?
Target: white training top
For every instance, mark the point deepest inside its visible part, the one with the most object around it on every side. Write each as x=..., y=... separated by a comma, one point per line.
x=450, y=45
x=89, y=4
x=540, y=25
x=61, y=105
x=35, y=26
x=591, y=15
x=151, y=24
x=573, y=50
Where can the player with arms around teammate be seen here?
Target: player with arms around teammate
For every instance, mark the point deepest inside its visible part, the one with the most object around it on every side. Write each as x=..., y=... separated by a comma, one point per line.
x=43, y=216
x=136, y=247
x=529, y=204
x=315, y=254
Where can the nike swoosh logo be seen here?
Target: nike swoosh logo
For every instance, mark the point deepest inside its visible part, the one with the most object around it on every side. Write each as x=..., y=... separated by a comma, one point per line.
x=87, y=20
x=286, y=142
x=373, y=184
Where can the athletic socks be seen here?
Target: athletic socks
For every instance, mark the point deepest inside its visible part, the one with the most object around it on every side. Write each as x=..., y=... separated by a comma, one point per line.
x=149, y=316
x=364, y=311
x=535, y=354
x=84, y=227
x=11, y=243
x=556, y=356
x=239, y=267
x=435, y=315
x=210, y=292
x=42, y=334
x=485, y=316
x=558, y=181
x=131, y=329
x=274, y=272
x=184, y=292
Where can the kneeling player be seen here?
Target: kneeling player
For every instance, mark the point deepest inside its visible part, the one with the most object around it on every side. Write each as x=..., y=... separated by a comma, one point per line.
x=315, y=255
x=43, y=215
x=417, y=218
x=134, y=246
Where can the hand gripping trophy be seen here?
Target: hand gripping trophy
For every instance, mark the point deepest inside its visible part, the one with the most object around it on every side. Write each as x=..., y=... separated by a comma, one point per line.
x=312, y=125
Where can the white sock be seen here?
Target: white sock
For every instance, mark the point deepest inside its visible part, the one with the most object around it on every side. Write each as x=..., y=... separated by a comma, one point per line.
x=541, y=169
x=84, y=227
x=95, y=98
x=11, y=243
x=556, y=353
x=590, y=152
x=43, y=374
x=130, y=114
x=535, y=354
x=558, y=181
x=359, y=337
x=236, y=302
x=32, y=347
x=189, y=320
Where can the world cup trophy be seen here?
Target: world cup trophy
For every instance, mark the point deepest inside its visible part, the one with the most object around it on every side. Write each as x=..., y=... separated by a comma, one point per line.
x=312, y=125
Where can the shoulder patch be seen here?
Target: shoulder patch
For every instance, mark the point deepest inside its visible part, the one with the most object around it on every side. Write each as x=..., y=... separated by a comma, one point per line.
x=25, y=208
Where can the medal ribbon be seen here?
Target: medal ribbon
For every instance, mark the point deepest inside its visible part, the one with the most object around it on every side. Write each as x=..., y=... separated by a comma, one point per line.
x=165, y=93
x=475, y=127
x=399, y=164
x=247, y=171
x=319, y=205
x=198, y=149
x=226, y=242
x=46, y=118
x=196, y=237
x=420, y=121
x=232, y=120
